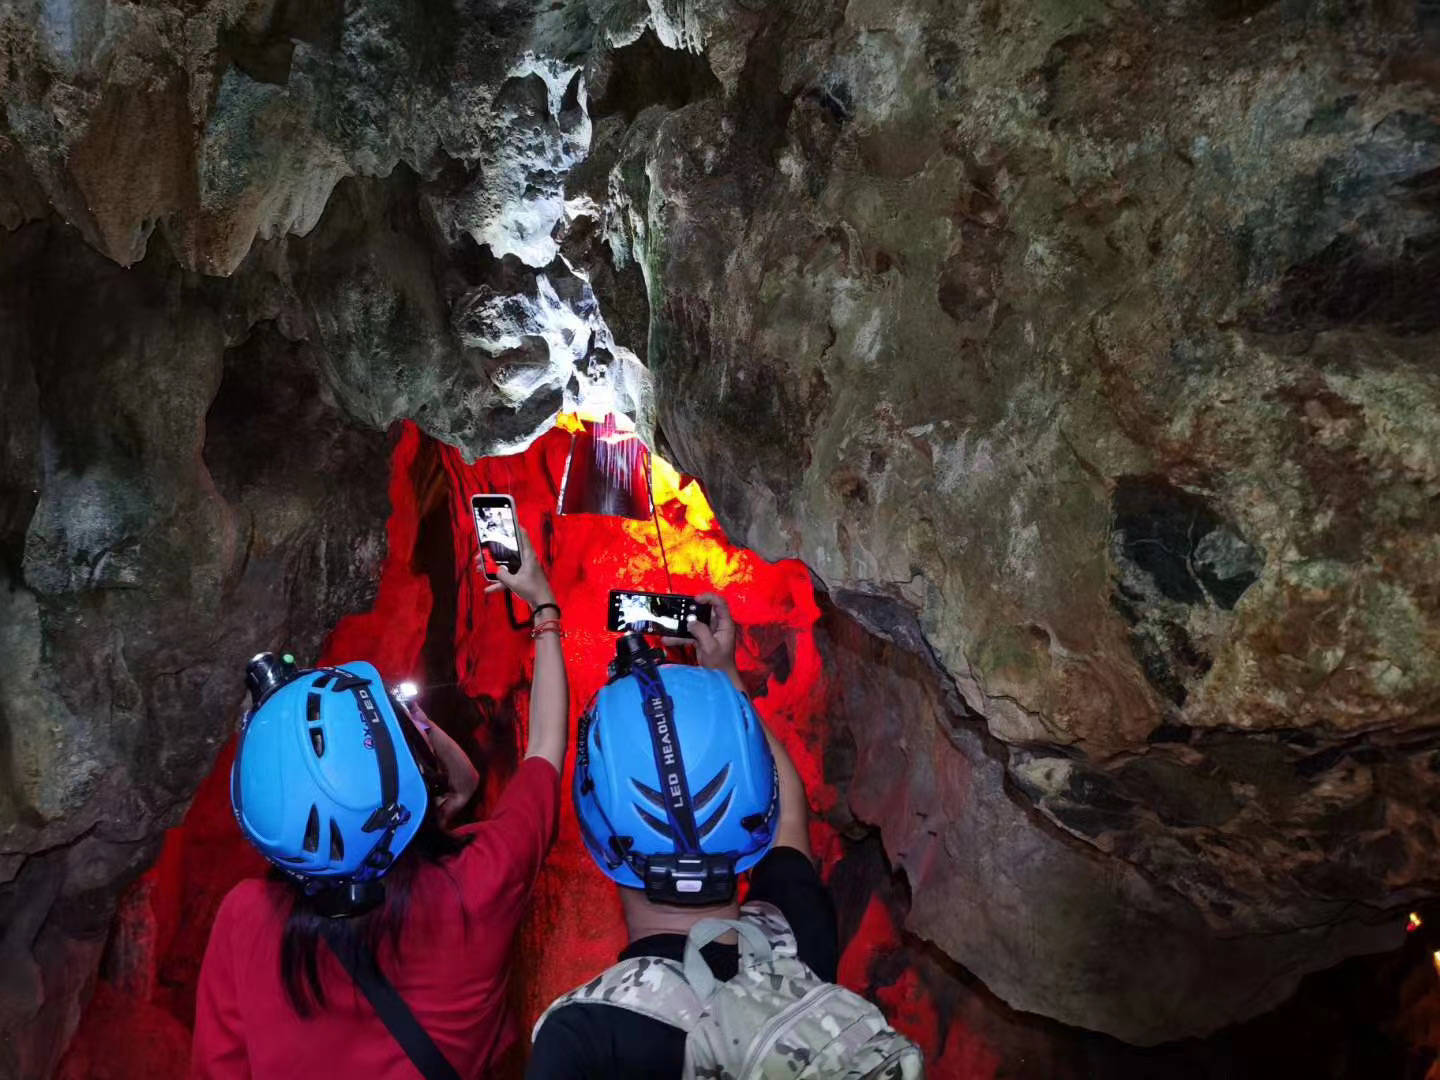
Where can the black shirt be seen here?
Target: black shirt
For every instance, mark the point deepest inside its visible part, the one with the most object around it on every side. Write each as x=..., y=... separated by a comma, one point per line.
x=596, y=1042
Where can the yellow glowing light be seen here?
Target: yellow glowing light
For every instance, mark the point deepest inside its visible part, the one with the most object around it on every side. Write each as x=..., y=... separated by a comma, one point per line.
x=669, y=486
x=568, y=421
x=1436, y=957
x=689, y=545
x=1414, y=923
x=573, y=422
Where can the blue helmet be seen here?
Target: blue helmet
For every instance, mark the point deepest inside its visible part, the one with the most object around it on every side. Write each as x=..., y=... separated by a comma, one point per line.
x=326, y=781
x=675, y=786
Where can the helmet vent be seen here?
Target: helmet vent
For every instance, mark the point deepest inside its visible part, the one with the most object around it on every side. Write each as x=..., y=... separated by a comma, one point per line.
x=312, y=709
x=649, y=793
x=709, y=791
x=715, y=818
x=655, y=823
x=323, y=678
x=337, y=842
x=752, y=822
x=312, y=831
x=317, y=741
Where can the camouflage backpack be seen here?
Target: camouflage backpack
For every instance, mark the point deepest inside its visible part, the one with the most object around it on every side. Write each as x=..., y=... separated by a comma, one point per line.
x=775, y=1019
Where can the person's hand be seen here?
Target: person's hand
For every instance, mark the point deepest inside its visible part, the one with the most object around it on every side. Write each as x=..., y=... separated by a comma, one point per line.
x=460, y=772
x=529, y=583
x=714, y=644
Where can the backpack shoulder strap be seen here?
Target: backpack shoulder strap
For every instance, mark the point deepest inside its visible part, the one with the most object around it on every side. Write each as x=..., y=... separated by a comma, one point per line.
x=773, y=925
x=357, y=959
x=649, y=985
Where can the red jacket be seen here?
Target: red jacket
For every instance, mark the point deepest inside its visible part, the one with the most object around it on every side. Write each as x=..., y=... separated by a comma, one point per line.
x=454, y=953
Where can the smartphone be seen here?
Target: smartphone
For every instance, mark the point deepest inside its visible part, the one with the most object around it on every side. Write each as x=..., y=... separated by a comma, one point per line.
x=654, y=613
x=495, y=530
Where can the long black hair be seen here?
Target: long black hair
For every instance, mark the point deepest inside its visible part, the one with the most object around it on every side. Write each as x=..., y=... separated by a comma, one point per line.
x=305, y=926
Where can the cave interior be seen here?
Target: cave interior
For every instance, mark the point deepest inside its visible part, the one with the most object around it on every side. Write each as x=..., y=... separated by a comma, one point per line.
x=1051, y=390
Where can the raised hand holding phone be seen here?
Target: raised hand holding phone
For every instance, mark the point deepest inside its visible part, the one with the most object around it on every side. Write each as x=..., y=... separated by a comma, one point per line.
x=715, y=648
x=714, y=643
x=549, y=692
x=529, y=582
x=495, y=532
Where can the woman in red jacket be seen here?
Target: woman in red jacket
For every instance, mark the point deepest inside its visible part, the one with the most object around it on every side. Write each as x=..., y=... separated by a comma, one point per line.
x=378, y=924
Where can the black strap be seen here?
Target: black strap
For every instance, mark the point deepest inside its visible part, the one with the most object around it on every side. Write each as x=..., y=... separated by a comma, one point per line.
x=390, y=1007
x=389, y=815
x=669, y=762
x=379, y=734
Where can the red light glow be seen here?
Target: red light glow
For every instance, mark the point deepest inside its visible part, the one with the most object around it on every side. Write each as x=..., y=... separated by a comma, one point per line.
x=433, y=622
x=575, y=927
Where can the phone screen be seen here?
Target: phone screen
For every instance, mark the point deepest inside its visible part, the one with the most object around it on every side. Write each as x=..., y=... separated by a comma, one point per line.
x=654, y=613
x=495, y=530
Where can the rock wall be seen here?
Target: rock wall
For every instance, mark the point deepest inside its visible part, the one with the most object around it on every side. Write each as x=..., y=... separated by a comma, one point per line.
x=174, y=497
x=1100, y=339
x=193, y=399
x=1083, y=350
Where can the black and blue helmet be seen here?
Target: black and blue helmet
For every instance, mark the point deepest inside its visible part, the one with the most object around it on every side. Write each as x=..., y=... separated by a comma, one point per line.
x=675, y=786
x=330, y=781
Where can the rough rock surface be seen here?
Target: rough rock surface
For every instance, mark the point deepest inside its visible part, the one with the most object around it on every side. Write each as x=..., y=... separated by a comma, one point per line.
x=1084, y=350
x=173, y=498
x=193, y=397
x=235, y=123
x=1101, y=337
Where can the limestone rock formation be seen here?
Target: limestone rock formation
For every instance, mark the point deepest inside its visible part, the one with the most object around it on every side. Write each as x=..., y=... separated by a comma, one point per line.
x=1083, y=349
x=193, y=398
x=173, y=498
x=1099, y=337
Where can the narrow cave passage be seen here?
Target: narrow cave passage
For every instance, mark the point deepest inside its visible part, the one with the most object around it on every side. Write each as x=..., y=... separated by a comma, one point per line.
x=1083, y=352
x=431, y=622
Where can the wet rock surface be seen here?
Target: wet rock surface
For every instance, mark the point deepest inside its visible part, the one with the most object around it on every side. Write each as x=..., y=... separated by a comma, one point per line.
x=1084, y=351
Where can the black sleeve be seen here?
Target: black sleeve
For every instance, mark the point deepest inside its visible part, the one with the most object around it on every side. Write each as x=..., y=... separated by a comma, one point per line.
x=597, y=1042
x=787, y=879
